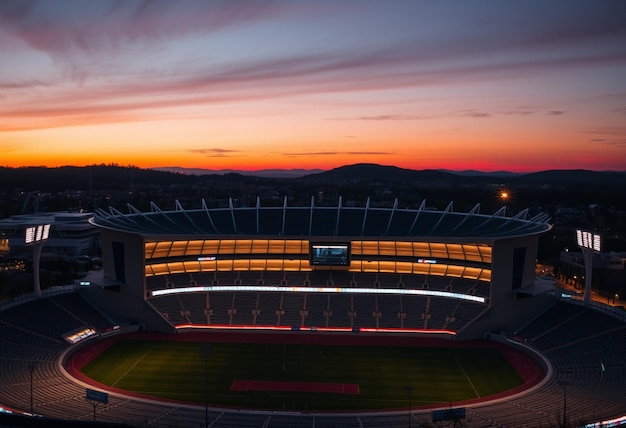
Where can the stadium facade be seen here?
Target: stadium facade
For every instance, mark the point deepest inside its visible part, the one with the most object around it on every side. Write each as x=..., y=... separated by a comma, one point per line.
x=415, y=271
x=317, y=267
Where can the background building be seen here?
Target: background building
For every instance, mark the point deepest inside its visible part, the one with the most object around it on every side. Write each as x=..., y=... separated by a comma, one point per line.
x=71, y=234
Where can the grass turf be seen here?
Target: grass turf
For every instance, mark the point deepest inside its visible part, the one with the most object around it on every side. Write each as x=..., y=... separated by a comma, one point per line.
x=176, y=370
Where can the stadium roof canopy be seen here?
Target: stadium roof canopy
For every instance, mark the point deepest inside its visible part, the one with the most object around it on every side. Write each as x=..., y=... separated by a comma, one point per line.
x=322, y=221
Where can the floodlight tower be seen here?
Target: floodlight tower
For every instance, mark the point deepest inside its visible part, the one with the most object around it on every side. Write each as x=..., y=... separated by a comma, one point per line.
x=36, y=236
x=590, y=244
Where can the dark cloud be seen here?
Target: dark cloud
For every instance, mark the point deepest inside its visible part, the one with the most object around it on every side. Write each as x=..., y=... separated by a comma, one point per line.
x=473, y=114
x=619, y=144
x=389, y=117
x=334, y=153
x=518, y=112
x=23, y=84
x=610, y=131
x=216, y=152
x=385, y=117
x=610, y=136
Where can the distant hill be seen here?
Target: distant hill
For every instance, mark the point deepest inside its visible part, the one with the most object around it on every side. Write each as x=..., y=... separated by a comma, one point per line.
x=267, y=173
x=578, y=177
x=474, y=173
x=111, y=177
x=115, y=177
x=374, y=172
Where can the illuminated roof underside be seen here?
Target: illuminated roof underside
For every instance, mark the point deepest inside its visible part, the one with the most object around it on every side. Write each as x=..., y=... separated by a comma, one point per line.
x=322, y=221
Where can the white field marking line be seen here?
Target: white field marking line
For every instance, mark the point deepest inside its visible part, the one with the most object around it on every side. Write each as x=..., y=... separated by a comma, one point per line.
x=133, y=366
x=466, y=376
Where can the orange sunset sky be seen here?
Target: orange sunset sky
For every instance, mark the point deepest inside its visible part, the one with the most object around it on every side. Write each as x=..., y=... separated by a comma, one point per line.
x=487, y=85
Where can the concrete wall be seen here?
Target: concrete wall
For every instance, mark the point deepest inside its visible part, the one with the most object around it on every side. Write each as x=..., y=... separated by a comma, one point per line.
x=126, y=303
x=502, y=264
x=507, y=312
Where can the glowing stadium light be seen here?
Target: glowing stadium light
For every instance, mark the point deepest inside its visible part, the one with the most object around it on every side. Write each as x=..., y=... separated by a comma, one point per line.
x=36, y=234
x=590, y=240
x=351, y=290
x=35, y=237
x=30, y=235
x=589, y=243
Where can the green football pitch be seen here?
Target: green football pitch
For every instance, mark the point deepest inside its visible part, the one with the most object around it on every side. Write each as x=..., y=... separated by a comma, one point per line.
x=386, y=377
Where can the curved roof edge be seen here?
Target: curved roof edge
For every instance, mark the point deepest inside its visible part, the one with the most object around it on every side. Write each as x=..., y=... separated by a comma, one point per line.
x=322, y=221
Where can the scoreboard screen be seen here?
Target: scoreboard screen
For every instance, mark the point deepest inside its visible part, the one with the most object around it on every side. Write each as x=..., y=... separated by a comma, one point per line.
x=330, y=254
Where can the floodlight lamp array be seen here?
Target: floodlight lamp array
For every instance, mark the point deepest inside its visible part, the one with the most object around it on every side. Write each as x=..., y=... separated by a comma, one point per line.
x=35, y=234
x=590, y=240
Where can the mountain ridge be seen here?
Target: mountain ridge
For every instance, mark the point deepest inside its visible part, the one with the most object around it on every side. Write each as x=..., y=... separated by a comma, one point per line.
x=115, y=177
x=352, y=168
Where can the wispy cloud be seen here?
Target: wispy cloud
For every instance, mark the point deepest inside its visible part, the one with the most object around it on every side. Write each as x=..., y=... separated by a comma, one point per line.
x=216, y=152
x=619, y=144
x=614, y=131
x=73, y=27
x=519, y=112
x=609, y=136
x=266, y=79
x=335, y=153
x=386, y=117
x=114, y=61
x=469, y=113
x=472, y=114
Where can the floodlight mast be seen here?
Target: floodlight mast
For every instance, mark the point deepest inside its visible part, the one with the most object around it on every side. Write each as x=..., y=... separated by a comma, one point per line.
x=36, y=236
x=590, y=244
x=36, y=257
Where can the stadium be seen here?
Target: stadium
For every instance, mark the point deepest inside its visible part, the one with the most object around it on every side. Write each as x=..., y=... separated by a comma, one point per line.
x=300, y=278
